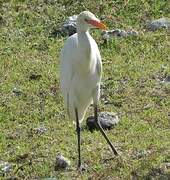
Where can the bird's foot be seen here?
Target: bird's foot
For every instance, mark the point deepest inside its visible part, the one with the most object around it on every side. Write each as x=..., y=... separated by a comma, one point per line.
x=115, y=152
x=82, y=167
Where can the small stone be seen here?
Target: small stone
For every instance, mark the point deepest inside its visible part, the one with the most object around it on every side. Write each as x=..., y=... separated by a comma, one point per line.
x=166, y=80
x=5, y=167
x=69, y=26
x=167, y=165
x=118, y=33
x=40, y=130
x=148, y=106
x=61, y=162
x=156, y=172
x=132, y=33
x=158, y=24
x=17, y=91
x=107, y=120
x=83, y=167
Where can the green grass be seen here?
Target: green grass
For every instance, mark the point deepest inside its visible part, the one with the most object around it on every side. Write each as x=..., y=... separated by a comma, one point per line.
x=132, y=67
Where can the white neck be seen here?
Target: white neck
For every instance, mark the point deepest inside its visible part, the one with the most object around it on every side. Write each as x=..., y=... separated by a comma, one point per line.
x=85, y=50
x=84, y=41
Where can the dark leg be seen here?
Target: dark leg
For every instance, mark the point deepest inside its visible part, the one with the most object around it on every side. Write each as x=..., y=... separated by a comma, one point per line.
x=102, y=131
x=78, y=137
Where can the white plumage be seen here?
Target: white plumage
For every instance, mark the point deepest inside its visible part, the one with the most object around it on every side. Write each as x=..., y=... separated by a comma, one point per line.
x=80, y=69
x=80, y=72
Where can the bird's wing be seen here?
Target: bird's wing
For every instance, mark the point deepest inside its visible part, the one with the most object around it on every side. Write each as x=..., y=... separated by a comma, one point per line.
x=98, y=62
x=67, y=71
x=99, y=67
x=66, y=74
x=97, y=57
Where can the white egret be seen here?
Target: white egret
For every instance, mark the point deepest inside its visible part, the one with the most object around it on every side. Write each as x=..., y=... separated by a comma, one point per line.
x=80, y=73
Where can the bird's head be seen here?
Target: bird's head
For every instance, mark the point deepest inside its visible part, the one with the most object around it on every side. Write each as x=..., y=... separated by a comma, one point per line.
x=87, y=20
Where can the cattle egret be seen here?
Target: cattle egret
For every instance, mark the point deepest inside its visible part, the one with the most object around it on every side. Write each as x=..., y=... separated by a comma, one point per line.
x=80, y=73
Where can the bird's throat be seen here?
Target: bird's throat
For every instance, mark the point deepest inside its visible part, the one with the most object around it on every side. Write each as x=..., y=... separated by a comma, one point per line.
x=84, y=43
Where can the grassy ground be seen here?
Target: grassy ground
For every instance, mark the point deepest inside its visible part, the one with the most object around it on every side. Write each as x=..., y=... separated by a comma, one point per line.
x=132, y=70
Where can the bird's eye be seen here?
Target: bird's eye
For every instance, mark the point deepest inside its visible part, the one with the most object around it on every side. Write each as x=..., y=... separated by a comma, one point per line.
x=86, y=20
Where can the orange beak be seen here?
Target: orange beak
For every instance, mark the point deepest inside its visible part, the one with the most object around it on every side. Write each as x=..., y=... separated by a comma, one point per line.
x=97, y=24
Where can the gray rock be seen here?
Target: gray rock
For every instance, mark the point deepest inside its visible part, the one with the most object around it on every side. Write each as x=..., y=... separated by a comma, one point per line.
x=167, y=165
x=40, y=130
x=118, y=33
x=61, y=162
x=83, y=167
x=17, y=91
x=67, y=29
x=166, y=80
x=107, y=120
x=158, y=24
x=5, y=167
x=69, y=26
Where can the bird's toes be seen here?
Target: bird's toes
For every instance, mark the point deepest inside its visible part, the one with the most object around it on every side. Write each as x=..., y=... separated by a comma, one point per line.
x=82, y=167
